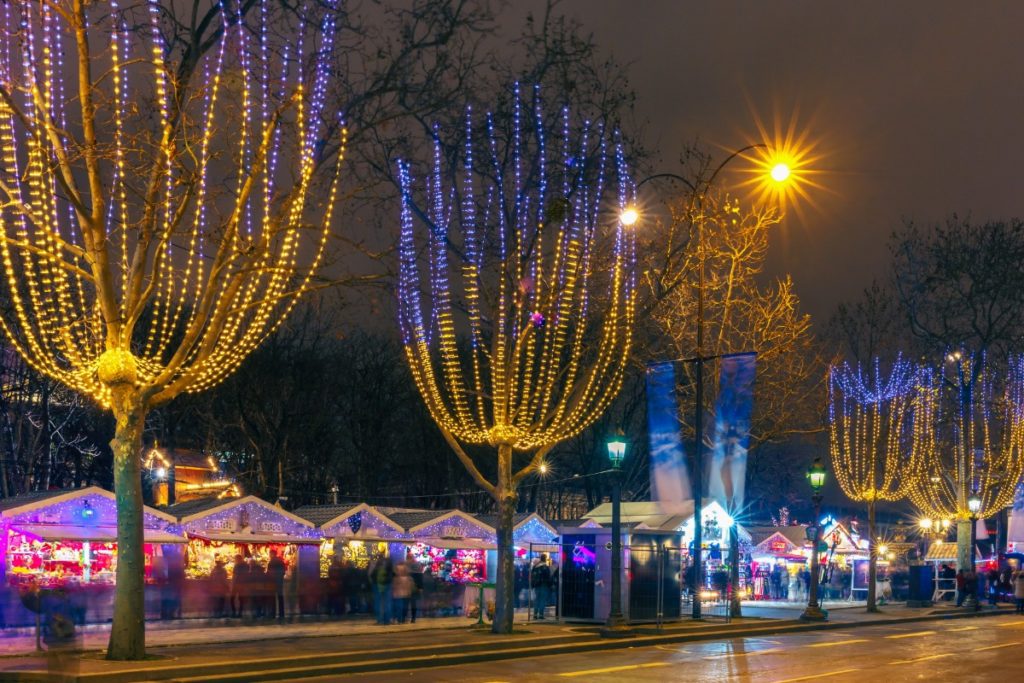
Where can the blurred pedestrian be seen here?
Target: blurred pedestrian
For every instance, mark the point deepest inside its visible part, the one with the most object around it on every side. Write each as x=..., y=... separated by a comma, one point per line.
x=401, y=590
x=381, y=575
x=219, y=589
x=961, y=587
x=1018, y=590
x=276, y=569
x=239, y=587
x=335, y=588
x=416, y=573
x=540, y=581
x=354, y=584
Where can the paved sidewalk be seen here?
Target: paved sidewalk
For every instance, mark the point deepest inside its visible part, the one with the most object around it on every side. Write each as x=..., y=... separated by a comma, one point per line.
x=199, y=631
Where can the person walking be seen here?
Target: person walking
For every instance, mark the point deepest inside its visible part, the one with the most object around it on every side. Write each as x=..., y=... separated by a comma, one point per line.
x=401, y=590
x=1018, y=590
x=540, y=579
x=416, y=573
x=335, y=588
x=239, y=587
x=961, y=587
x=381, y=576
x=276, y=569
x=219, y=589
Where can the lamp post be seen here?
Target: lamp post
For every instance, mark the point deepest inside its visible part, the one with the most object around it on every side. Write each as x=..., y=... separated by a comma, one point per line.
x=816, y=476
x=779, y=173
x=615, y=626
x=974, y=505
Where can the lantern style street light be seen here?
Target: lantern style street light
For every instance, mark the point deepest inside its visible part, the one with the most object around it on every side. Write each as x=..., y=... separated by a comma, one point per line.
x=615, y=626
x=974, y=505
x=816, y=477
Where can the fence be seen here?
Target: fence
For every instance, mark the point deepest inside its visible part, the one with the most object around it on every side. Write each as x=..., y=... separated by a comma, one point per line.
x=576, y=587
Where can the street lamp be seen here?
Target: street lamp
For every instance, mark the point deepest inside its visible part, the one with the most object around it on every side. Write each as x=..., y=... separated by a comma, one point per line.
x=615, y=626
x=974, y=505
x=780, y=173
x=816, y=477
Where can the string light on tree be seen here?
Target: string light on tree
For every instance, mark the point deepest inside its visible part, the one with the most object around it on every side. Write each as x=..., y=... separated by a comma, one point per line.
x=157, y=218
x=512, y=257
x=867, y=418
x=968, y=440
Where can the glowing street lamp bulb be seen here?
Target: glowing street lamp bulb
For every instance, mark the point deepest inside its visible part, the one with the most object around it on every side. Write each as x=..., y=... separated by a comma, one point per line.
x=543, y=468
x=780, y=172
x=629, y=216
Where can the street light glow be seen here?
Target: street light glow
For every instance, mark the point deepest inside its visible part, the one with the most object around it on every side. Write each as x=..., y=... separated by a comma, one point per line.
x=780, y=172
x=629, y=216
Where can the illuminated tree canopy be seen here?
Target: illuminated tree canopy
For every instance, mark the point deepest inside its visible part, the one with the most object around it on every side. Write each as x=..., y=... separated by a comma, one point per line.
x=968, y=438
x=157, y=175
x=868, y=418
x=517, y=312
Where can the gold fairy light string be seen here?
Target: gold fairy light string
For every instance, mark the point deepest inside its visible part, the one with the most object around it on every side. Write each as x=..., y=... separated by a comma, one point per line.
x=117, y=248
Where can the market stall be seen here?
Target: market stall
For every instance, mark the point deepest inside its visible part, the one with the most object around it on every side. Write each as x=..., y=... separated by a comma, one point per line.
x=247, y=532
x=455, y=550
x=358, y=534
x=779, y=559
x=67, y=539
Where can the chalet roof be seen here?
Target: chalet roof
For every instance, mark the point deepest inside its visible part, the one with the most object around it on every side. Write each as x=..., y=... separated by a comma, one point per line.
x=12, y=502
x=407, y=519
x=195, y=506
x=321, y=514
x=492, y=520
x=797, y=535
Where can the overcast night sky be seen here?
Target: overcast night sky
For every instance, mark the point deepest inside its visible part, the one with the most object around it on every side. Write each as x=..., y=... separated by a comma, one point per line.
x=916, y=106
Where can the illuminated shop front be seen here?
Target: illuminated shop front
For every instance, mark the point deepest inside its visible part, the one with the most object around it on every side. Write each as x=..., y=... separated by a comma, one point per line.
x=456, y=547
x=57, y=537
x=248, y=527
x=356, y=533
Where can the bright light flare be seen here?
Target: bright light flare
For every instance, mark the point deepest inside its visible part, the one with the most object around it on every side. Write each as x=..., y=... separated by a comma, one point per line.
x=780, y=172
x=629, y=216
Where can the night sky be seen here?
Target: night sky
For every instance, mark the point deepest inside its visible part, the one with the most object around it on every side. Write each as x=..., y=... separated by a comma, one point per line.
x=915, y=107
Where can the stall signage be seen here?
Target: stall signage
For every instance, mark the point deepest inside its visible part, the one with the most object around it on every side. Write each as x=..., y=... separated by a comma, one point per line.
x=220, y=524
x=271, y=527
x=778, y=546
x=451, y=532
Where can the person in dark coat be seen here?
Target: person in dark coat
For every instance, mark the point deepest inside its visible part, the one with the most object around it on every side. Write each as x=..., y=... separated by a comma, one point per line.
x=276, y=569
x=219, y=589
x=239, y=586
x=335, y=588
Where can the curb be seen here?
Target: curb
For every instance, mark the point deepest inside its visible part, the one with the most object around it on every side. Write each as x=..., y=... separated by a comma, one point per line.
x=251, y=670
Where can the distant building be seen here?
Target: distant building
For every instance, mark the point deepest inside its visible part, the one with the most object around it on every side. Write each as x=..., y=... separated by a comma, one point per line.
x=191, y=474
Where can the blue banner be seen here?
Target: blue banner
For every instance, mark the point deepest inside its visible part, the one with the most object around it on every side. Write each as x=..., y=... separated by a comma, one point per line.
x=727, y=471
x=669, y=481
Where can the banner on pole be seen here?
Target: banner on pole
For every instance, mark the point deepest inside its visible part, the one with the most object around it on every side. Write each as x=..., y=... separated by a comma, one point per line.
x=670, y=483
x=728, y=468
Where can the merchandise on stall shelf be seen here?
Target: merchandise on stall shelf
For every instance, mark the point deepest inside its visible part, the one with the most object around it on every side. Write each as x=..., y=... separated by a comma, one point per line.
x=457, y=565
x=359, y=552
x=202, y=554
x=61, y=536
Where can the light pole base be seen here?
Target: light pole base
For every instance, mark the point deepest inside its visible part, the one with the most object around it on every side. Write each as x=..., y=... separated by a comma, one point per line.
x=814, y=613
x=616, y=627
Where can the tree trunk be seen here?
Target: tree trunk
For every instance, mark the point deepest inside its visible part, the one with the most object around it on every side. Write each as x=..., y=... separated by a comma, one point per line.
x=873, y=558
x=504, y=612
x=964, y=551
x=735, y=602
x=128, y=631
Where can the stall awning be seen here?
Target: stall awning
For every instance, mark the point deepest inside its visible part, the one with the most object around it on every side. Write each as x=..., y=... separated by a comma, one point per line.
x=454, y=543
x=93, y=534
x=245, y=537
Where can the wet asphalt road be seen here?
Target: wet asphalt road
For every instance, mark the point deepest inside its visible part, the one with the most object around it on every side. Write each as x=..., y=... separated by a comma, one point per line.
x=963, y=650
